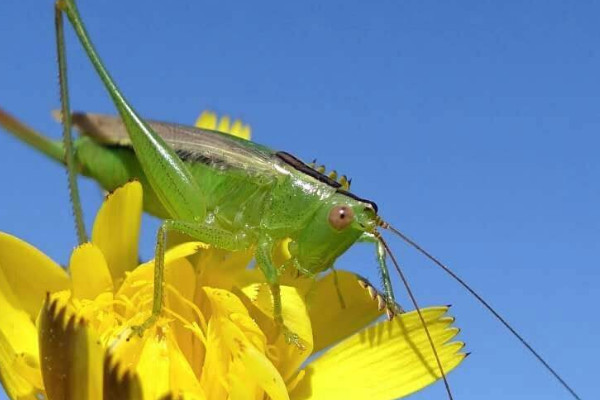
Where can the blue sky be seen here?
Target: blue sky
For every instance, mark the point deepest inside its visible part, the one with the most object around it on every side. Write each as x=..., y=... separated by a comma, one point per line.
x=474, y=125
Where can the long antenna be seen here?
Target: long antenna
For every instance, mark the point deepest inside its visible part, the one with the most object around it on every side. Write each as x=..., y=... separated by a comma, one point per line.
x=414, y=301
x=421, y=250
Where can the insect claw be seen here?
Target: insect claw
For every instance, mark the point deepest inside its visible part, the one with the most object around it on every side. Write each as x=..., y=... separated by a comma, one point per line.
x=397, y=309
x=390, y=314
x=292, y=338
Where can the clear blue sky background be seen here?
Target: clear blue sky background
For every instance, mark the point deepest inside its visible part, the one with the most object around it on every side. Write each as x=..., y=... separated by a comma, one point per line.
x=473, y=124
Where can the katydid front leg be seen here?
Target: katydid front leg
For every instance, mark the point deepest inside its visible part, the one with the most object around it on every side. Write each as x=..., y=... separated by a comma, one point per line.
x=383, y=269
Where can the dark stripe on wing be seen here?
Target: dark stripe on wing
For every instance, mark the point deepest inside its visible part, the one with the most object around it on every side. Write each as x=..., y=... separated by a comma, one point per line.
x=300, y=166
x=195, y=157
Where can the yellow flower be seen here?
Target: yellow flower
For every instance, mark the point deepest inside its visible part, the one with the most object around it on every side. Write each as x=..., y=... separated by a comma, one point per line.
x=209, y=120
x=67, y=334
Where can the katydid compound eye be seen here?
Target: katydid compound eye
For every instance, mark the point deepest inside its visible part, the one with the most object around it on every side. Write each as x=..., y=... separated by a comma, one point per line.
x=340, y=217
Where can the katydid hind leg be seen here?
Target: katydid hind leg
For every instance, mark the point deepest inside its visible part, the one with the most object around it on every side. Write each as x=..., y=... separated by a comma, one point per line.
x=169, y=177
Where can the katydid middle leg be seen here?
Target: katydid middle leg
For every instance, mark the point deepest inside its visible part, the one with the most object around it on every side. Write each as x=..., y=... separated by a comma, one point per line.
x=202, y=232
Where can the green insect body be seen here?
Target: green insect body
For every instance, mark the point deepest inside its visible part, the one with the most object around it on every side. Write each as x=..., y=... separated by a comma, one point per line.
x=256, y=195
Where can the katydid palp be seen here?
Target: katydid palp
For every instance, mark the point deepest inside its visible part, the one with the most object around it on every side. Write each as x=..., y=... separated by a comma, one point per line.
x=228, y=192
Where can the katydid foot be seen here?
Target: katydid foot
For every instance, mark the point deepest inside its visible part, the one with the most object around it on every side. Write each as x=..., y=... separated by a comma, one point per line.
x=139, y=330
x=293, y=339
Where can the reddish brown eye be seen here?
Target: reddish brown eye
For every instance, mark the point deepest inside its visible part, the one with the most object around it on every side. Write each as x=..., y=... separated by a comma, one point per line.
x=340, y=217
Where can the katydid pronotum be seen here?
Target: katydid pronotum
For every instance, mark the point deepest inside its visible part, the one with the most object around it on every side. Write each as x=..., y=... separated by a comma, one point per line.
x=182, y=168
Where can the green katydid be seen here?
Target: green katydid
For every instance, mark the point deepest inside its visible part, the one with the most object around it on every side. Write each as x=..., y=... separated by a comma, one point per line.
x=228, y=192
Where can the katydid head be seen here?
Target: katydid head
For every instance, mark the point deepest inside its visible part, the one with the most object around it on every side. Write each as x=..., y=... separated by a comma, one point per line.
x=333, y=228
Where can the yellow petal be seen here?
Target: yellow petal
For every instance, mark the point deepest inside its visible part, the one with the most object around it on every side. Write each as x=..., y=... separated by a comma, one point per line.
x=207, y=120
x=71, y=355
x=215, y=362
x=20, y=379
x=187, y=396
x=143, y=275
x=235, y=361
x=332, y=323
x=163, y=369
x=236, y=128
x=117, y=227
x=29, y=273
x=295, y=317
x=385, y=361
x=246, y=132
x=223, y=125
x=90, y=275
x=180, y=279
x=233, y=364
x=19, y=360
x=180, y=251
x=227, y=305
x=224, y=269
x=251, y=364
